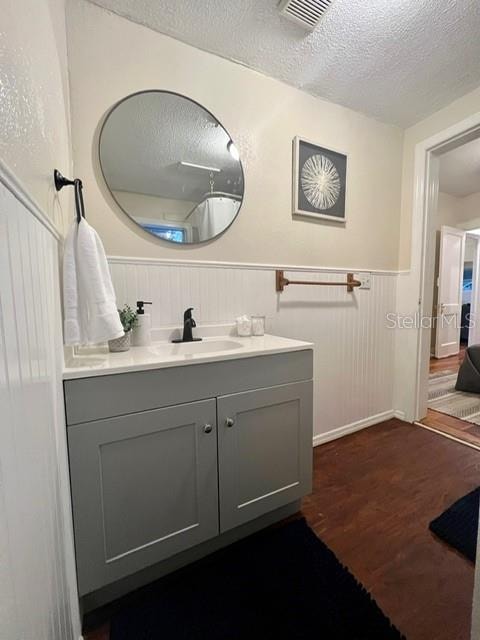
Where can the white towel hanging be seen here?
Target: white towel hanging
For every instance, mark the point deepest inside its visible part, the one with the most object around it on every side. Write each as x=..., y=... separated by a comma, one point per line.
x=90, y=307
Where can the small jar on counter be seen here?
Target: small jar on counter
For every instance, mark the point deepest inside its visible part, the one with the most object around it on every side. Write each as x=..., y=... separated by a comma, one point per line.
x=244, y=326
x=258, y=325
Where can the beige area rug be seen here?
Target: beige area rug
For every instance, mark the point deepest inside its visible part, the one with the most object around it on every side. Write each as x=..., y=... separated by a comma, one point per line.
x=443, y=397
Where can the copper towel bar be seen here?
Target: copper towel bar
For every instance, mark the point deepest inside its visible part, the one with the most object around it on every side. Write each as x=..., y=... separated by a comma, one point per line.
x=282, y=282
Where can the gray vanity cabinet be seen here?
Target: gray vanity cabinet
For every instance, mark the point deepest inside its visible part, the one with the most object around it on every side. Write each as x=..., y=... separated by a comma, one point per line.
x=264, y=451
x=145, y=488
x=172, y=463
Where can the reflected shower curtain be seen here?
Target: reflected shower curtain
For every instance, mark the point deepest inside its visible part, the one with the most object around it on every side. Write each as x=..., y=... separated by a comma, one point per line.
x=214, y=215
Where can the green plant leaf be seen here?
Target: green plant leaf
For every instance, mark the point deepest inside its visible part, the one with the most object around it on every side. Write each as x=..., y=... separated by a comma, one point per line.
x=128, y=318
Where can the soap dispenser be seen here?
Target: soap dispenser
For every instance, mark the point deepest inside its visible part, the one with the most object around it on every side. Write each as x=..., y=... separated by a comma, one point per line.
x=141, y=336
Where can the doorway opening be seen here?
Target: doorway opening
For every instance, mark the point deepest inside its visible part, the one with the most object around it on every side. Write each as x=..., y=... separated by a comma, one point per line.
x=453, y=406
x=420, y=282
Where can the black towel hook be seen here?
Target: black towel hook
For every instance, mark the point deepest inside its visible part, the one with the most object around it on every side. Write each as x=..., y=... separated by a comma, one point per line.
x=61, y=181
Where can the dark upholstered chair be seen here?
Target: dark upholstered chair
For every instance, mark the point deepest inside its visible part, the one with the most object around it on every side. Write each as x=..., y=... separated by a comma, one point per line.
x=465, y=323
x=469, y=375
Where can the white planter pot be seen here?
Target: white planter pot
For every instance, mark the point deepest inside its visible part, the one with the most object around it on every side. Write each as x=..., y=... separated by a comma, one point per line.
x=120, y=344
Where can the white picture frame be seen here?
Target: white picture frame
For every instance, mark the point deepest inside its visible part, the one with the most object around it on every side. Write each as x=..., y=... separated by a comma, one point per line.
x=303, y=149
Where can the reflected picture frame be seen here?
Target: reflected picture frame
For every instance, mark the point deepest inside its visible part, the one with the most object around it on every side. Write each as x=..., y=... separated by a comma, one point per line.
x=319, y=177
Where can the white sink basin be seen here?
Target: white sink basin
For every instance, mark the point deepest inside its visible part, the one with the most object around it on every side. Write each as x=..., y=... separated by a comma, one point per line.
x=97, y=361
x=192, y=348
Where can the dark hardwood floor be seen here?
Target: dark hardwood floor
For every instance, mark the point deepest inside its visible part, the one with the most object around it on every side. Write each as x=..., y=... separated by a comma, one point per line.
x=467, y=432
x=452, y=363
x=461, y=429
x=374, y=494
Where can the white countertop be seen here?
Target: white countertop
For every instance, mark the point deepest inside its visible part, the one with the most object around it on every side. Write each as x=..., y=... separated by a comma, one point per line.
x=160, y=355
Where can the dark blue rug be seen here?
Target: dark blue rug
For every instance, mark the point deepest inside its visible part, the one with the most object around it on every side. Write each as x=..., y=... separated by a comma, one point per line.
x=282, y=583
x=458, y=525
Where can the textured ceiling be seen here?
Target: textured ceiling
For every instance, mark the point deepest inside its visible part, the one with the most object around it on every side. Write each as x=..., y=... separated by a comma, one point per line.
x=146, y=137
x=460, y=170
x=395, y=60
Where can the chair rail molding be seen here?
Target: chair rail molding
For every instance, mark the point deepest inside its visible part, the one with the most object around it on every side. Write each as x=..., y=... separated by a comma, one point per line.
x=248, y=265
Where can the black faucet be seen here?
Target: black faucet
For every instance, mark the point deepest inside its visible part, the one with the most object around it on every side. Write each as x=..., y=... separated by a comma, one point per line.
x=188, y=324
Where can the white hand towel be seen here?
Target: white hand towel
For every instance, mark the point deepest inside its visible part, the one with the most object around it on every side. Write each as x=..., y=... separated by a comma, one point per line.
x=73, y=330
x=91, y=314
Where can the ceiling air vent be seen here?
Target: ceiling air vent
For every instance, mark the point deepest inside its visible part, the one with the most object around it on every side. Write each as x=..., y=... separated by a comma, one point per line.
x=305, y=12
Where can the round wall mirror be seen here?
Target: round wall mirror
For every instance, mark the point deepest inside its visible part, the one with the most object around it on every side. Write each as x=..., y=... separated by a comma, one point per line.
x=171, y=166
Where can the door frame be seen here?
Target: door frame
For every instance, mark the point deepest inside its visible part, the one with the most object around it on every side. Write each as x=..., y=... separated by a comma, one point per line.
x=415, y=290
x=439, y=287
x=474, y=306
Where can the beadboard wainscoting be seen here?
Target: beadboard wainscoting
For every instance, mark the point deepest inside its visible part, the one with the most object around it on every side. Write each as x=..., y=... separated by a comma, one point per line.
x=37, y=575
x=354, y=348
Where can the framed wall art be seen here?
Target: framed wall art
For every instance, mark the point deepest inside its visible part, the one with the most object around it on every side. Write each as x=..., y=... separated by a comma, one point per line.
x=319, y=181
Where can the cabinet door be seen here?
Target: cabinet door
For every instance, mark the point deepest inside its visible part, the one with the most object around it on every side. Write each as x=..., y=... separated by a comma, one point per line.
x=144, y=487
x=264, y=450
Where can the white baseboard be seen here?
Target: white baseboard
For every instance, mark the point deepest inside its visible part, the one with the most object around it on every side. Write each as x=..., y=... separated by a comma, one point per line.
x=322, y=438
x=400, y=415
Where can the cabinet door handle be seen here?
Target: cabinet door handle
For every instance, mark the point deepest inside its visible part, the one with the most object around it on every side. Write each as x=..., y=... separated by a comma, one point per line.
x=207, y=428
x=230, y=422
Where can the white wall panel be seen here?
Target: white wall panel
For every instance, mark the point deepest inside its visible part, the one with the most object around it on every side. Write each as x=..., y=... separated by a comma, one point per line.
x=35, y=593
x=354, y=365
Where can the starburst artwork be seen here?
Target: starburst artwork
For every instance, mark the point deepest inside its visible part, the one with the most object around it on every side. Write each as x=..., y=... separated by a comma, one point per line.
x=319, y=181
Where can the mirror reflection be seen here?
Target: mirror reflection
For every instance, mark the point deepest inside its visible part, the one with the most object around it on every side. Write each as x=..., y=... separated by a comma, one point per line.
x=171, y=166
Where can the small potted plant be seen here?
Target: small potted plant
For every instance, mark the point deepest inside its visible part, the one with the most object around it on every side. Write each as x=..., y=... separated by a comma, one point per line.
x=128, y=318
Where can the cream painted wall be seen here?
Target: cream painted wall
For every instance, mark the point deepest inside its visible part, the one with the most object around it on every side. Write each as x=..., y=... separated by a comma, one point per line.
x=455, y=112
x=154, y=207
x=448, y=210
x=470, y=211
x=110, y=57
x=458, y=212
x=34, y=105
